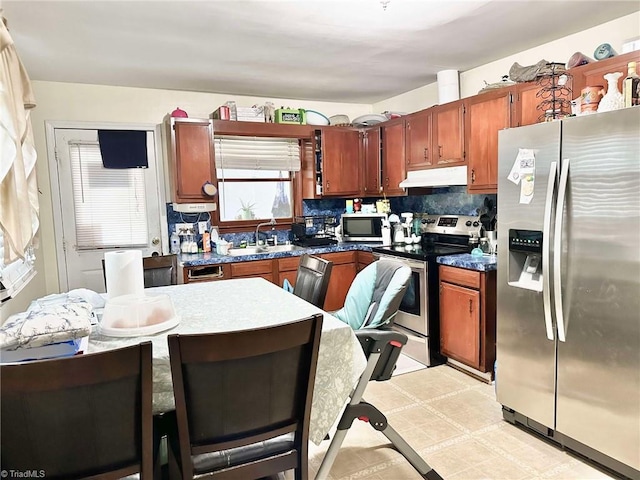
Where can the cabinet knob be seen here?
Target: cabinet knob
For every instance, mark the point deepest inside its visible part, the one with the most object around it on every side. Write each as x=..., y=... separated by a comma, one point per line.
x=473, y=175
x=470, y=306
x=327, y=187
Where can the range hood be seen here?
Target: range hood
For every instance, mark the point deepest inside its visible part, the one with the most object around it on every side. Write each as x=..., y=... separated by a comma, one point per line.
x=436, y=177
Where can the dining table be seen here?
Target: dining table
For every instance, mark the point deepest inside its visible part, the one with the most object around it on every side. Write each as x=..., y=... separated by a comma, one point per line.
x=247, y=303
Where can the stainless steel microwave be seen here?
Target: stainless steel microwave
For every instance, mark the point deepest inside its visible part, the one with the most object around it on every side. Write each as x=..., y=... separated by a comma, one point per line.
x=362, y=227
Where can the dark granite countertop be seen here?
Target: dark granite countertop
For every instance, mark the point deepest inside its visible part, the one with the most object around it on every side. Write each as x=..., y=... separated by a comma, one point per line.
x=198, y=259
x=485, y=263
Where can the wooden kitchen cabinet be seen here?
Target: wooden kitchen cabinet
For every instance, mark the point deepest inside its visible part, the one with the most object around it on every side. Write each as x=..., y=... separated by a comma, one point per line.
x=343, y=272
x=340, y=148
x=371, y=160
x=486, y=114
x=418, y=140
x=593, y=73
x=288, y=270
x=468, y=317
x=393, y=157
x=191, y=158
x=364, y=259
x=255, y=268
x=448, y=134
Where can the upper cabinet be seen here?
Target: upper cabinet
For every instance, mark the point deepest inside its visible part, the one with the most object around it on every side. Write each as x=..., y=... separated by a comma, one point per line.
x=371, y=158
x=191, y=158
x=486, y=114
x=592, y=73
x=418, y=148
x=448, y=134
x=340, y=150
x=393, y=157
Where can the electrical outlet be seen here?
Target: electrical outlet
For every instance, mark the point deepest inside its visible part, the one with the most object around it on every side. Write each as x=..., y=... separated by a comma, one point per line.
x=183, y=228
x=202, y=227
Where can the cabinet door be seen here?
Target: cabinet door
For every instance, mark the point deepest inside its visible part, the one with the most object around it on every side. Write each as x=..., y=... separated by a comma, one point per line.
x=460, y=323
x=393, y=159
x=527, y=101
x=342, y=276
x=371, y=159
x=486, y=114
x=340, y=162
x=448, y=133
x=592, y=73
x=418, y=140
x=192, y=162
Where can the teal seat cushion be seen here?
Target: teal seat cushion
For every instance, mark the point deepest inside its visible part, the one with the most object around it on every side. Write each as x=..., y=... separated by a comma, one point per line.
x=375, y=294
x=357, y=303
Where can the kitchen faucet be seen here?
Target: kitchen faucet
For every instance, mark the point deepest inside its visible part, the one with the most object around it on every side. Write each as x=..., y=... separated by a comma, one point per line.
x=271, y=222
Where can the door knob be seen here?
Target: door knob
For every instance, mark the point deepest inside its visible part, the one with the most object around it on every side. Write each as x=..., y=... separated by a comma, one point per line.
x=155, y=241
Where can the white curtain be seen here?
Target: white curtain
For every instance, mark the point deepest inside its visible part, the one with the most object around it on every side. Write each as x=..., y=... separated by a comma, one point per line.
x=19, y=209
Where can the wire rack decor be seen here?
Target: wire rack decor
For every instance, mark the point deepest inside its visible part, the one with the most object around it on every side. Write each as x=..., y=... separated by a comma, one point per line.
x=554, y=93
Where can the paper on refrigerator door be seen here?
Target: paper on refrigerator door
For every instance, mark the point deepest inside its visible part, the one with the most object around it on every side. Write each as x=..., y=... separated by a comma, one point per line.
x=523, y=173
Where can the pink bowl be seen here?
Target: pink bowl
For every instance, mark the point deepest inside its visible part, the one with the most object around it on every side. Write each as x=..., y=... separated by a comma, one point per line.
x=179, y=113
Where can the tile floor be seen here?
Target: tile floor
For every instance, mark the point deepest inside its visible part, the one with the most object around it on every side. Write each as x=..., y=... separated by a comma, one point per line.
x=454, y=422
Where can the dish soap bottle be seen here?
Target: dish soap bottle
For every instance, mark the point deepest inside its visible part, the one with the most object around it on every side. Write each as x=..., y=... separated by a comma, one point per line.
x=175, y=243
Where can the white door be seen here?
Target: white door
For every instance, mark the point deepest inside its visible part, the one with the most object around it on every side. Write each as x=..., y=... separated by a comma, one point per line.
x=102, y=209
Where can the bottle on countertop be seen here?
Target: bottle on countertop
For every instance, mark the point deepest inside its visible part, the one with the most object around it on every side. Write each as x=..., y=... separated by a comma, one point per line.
x=630, y=86
x=206, y=241
x=175, y=243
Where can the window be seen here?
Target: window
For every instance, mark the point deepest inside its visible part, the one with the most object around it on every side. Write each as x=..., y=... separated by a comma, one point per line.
x=109, y=204
x=255, y=177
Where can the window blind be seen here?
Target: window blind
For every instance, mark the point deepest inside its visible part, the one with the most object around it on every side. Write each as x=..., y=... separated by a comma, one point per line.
x=109, y=205
x=257, y=153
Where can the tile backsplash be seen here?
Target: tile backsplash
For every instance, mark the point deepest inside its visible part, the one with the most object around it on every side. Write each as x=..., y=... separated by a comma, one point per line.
x=442, y=201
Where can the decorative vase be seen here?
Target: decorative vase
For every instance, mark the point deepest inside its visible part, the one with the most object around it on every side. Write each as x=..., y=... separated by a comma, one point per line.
x=613, y=99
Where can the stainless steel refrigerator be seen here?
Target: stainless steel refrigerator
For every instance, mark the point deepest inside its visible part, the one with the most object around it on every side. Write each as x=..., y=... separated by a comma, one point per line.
x=568, y=313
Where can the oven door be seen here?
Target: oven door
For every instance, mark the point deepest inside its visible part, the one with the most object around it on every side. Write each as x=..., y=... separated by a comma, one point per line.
x=413, y=313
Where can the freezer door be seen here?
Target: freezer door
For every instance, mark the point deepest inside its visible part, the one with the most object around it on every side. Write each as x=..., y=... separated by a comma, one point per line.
x=525, y=377
x=599, y=363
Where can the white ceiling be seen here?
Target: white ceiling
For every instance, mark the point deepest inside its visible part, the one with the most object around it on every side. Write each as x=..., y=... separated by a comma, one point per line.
x=343, y=51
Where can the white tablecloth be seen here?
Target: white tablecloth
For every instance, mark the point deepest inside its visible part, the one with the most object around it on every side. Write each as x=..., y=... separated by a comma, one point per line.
x=240, y=304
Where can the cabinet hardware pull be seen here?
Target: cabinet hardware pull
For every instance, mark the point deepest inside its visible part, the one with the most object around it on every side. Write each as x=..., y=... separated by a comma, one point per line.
x=473, y=175
x=327, y=185
x=426, y=152
x=470, y=306
x=440, y=151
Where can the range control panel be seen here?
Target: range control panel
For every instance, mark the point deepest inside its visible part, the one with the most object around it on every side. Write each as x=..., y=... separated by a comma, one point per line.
x=451, y=225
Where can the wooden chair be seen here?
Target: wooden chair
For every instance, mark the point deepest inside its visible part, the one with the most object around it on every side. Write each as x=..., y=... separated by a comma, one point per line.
x=312, y=279
x=159, y=271
x=79, y=417
x=243, y=401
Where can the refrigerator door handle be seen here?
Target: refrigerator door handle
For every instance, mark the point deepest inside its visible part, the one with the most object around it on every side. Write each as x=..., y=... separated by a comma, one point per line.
x=557, y=253
x=546, y=250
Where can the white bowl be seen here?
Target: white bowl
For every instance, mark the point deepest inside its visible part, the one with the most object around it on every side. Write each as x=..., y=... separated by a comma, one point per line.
x=316, y=118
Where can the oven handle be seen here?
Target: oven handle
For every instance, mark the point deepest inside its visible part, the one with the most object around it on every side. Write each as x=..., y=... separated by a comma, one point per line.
x=408, y=262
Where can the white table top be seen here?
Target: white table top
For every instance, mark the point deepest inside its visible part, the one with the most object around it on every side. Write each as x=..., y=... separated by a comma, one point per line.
x=239, y=304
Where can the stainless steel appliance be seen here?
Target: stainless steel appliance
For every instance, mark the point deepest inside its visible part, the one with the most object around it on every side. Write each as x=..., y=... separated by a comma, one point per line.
x=362, y=227
x=568, y=324
x=419, y=316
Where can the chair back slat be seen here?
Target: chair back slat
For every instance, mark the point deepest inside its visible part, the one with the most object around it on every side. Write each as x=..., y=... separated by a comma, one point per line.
x=312, y=279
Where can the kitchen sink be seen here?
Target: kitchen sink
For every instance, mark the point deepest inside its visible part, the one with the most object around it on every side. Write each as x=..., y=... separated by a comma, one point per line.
x=236, y=252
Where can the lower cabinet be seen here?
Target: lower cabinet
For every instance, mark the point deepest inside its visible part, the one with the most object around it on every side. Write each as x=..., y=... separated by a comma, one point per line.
x=468, y=316
x=345, y=268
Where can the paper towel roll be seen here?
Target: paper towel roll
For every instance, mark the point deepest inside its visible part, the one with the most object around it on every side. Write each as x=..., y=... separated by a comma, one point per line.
x=448, y=86
x=124, y=273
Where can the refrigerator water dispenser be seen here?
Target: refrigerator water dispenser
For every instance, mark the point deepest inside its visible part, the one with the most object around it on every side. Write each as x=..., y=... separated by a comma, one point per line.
x=525, y=259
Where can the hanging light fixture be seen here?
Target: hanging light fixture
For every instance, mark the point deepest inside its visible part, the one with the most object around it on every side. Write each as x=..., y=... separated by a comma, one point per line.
x=384, y=4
